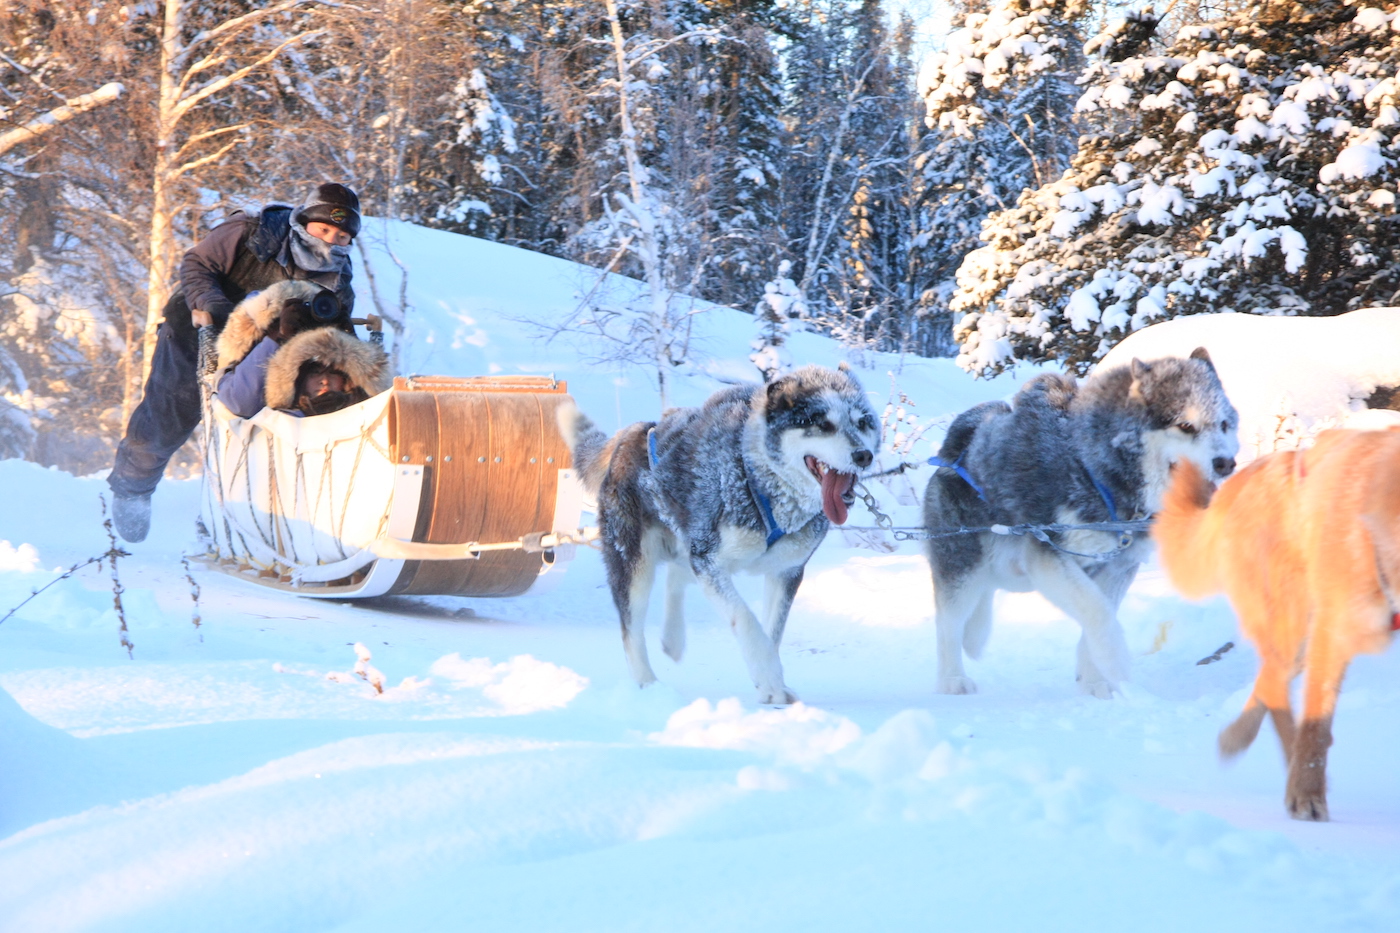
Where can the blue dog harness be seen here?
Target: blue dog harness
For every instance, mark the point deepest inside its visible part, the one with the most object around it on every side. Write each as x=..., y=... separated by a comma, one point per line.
x=765, y=506
x=765, y=509
x=957, y=467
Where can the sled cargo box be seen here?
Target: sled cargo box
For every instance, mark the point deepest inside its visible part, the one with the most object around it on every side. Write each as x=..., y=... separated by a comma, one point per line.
x=441, y=485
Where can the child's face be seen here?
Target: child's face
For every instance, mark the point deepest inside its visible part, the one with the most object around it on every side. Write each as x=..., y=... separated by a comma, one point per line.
x=314, y=384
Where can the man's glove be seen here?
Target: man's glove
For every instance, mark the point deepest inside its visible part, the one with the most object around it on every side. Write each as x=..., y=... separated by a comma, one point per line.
x=290, y=321
x=297, y=316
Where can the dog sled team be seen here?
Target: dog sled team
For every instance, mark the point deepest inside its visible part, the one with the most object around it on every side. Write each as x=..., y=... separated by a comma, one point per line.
x=1306, y=544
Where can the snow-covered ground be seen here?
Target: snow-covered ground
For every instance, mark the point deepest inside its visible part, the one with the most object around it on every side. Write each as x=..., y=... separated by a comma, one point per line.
x=511, y=777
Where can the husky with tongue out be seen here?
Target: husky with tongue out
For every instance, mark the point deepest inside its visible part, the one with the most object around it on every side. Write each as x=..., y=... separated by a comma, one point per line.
x=749, y=482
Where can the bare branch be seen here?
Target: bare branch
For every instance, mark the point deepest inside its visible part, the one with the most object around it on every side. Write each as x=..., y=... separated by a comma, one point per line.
x=46, y=122
x=188, y=103
x=233, y=26
x=209, y=134
x=204, y=160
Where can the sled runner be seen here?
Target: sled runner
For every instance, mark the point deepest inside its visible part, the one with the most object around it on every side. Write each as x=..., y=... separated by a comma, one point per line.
x=439, y=486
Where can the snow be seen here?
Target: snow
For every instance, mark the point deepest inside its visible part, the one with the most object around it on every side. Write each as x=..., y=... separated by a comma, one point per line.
x=511, y=777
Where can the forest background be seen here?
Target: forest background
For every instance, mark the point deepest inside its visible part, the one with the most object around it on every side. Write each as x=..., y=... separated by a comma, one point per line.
x=1052, y=176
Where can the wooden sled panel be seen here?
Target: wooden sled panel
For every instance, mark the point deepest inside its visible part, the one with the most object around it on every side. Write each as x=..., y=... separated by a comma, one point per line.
x=491, y=456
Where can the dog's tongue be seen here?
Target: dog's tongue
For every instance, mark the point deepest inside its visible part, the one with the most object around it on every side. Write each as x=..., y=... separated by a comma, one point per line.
x=834, y=487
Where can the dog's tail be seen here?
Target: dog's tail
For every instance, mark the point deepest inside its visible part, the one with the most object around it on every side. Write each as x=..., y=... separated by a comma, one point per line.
x=591, y=448
x=1180, y=533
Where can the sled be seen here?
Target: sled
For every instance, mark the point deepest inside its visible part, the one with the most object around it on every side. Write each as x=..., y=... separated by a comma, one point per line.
x=439, y=486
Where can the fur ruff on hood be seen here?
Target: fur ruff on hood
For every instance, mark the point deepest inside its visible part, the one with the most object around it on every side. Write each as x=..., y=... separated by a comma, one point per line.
x=250, y=320
x=365, y=365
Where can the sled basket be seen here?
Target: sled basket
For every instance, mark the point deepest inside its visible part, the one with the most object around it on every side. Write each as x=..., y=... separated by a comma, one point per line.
x=439, y=486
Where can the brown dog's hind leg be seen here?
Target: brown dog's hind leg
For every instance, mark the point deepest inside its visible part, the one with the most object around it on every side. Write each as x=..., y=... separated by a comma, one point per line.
x=1306, y=796
x=1326, y=664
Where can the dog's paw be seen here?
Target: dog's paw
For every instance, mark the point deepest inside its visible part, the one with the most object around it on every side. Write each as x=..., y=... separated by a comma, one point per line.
x=1101, y=689
x=1307, y=806
x=957, y=686
x=673, y=643
x=1306, y=792
x=781, y=696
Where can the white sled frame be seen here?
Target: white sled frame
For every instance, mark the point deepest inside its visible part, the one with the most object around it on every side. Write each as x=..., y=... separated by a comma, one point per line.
x=324, y=507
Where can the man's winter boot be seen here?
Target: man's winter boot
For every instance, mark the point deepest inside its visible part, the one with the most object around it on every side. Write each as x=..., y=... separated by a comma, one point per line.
x=132, y=517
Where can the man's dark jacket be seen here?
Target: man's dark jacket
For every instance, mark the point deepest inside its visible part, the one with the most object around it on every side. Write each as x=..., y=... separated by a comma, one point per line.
x=247, y=253
x=243, y=254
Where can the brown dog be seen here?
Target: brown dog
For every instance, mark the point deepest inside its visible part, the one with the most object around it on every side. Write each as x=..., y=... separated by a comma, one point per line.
x=1306, y=544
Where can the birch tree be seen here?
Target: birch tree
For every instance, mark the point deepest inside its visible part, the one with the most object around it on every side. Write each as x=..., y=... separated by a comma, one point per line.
x=194, y=67
x=640, y=219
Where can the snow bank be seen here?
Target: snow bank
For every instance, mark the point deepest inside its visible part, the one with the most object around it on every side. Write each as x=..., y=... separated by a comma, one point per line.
x=797, y=733
x=1289, y=377
x=510, y=776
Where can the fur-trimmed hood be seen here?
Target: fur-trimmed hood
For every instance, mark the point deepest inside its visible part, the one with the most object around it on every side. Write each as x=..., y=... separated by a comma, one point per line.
x=365, y=365
x=249, y=321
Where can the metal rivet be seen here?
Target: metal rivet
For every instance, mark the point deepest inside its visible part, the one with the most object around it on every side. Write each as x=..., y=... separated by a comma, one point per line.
x=428, y=459
x=447, y=459
x=532, y=459
x=480, y=459
x=405, y=458
x=548, y=459
x=498, y=459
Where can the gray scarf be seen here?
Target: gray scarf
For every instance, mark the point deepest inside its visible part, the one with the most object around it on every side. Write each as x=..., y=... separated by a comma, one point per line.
x=315, y=255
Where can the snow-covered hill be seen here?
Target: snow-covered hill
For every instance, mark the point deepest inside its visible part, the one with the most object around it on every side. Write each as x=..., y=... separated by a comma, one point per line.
x=513, y=778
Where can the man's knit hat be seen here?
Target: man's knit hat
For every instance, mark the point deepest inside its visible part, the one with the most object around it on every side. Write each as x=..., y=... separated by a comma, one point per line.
x=332, y=204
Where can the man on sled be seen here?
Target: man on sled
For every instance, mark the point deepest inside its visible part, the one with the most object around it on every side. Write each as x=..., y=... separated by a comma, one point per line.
x=246, y=253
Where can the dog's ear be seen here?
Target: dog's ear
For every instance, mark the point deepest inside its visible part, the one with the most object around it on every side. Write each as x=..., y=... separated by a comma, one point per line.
x=778, y=398
x=1200, y=354
x=1139, y=371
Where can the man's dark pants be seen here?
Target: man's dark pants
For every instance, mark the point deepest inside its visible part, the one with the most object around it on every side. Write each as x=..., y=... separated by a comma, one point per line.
x=169, y=410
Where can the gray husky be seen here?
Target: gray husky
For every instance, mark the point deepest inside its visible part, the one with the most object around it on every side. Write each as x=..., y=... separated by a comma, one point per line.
x=1066, y=453
x=748, y=482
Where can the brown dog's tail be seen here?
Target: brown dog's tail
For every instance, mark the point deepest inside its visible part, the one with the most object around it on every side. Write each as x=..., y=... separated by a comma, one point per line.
x=1187, y=551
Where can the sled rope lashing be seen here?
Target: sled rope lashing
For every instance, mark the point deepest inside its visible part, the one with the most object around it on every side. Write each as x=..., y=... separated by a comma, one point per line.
x=366, y=437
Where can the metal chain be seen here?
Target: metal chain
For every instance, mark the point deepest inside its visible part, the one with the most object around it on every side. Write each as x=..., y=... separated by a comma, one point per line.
x=881, y=519
x=1126, y=532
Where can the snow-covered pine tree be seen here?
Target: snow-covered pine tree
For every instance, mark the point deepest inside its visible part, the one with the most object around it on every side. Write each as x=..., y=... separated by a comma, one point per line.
x=847, y=189
x=777, y=314
x=1248, y=166
x=649, y=225
x=1000, y=102
x=869, y=285
x=738, y=86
